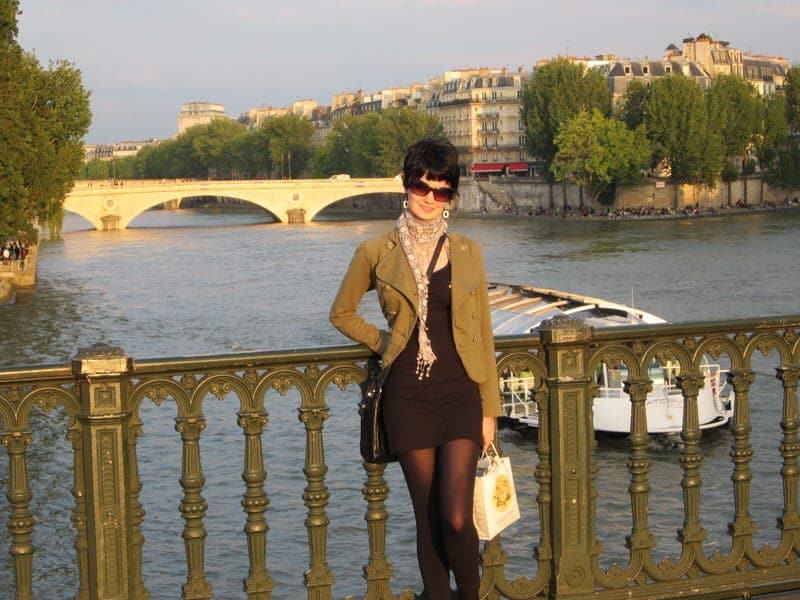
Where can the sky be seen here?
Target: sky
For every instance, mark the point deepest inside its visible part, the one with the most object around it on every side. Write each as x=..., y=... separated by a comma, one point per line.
x=142, y=59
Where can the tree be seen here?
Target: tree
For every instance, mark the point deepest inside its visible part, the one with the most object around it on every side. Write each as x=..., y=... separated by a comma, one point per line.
x=44, y=114
x=599, y=152
x=351, y=147
x=676, y=118
x=633, y=106
x=791, y=88
x=289, y=144
x=773, y=130
x=95, y=169
x=205, y=144
x=733, y=106
x=373, y=144
x=556, y=93
x=397, y=130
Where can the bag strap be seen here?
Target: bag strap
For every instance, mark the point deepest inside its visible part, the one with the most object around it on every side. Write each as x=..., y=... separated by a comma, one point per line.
x=436, y=253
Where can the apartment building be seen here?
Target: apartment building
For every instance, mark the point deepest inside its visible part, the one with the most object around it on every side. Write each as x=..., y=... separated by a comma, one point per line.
x=480, y=112
x=199, y=113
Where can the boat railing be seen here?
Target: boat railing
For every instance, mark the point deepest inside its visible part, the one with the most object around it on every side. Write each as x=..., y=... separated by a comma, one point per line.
x=103, y=391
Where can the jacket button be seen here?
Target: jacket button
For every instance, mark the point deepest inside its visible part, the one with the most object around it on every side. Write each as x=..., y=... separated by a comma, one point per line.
x=474, y=316
x=463, y=247
x=472, y=291
x=475, y=338
x=390, y=245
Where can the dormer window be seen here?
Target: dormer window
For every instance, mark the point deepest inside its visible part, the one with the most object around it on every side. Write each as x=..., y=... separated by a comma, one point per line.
x=627, y=69
x=645, y=70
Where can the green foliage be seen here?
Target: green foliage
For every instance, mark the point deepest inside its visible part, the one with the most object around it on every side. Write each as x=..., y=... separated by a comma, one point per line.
x=124, y=168
x=791, y=88
x=633, y=105
x=224, y=149
x=773, y=131
x=373, y=144
x=288, y=142
x=730, y=172
x=44, y=115
x=677, y=122
x=399, y=128
x=733, y=109
x=556, y=93
x=202, y=147
x=785, y=172
x=96, y=169
x=599, y=152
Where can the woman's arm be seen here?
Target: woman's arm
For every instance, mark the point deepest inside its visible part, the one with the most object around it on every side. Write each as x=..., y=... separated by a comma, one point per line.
x=344, y=316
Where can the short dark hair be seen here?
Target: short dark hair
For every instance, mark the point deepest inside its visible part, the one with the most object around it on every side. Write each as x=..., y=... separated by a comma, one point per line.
x=436, y=159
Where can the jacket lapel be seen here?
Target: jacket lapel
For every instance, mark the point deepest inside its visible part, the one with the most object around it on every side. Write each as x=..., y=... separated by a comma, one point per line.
x=393, y=268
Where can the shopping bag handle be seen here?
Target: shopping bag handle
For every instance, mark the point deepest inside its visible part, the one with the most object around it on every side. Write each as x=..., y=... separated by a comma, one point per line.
x=485, y=451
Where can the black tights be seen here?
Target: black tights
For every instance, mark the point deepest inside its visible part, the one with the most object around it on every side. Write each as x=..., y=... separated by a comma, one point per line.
x=440, y=481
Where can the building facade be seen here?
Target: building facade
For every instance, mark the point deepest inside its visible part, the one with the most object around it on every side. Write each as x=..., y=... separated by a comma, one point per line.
x=480, y=112
x=718, y=57
x=199, y=113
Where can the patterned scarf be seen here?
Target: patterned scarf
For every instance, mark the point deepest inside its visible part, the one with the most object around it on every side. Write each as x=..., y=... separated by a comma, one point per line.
x=418, y=239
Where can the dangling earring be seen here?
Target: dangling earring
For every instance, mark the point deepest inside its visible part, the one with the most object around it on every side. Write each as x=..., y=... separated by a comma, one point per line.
x=405, y=203
x=445, y=214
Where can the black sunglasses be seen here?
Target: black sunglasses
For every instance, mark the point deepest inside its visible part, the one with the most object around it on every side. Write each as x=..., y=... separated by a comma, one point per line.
x=420, y=188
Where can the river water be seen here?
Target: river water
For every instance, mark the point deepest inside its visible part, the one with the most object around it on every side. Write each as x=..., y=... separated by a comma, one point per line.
x=209, y=281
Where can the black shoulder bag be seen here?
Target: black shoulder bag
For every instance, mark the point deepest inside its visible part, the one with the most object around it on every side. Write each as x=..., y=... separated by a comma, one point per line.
x=374, y=442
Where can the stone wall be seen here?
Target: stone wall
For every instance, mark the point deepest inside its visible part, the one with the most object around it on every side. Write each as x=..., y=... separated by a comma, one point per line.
x=529, y=193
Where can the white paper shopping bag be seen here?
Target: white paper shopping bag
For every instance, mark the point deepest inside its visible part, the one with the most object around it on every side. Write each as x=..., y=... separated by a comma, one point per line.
x=495, y=503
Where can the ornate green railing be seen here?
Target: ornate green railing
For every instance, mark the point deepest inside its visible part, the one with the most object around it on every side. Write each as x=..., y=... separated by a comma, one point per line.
x=102, y=391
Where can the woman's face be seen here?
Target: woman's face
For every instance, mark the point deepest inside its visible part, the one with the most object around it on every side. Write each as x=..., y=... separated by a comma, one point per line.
x=426, y=207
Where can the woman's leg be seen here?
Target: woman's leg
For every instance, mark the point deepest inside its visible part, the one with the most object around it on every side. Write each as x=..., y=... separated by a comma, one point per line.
x=456, y=465
x=420, y=470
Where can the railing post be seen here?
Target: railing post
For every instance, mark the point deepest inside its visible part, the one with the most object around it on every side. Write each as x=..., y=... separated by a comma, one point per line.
x=104, y=418
x=571, y=434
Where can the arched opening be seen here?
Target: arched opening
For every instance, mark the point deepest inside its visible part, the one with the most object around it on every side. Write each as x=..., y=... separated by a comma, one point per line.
x=74, y=221
x=359, y=206
x=203, y=211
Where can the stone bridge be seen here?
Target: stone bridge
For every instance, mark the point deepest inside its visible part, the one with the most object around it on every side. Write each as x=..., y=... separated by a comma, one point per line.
x=110, y=206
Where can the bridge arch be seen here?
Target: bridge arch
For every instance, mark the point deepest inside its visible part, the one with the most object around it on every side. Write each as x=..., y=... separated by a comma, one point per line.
x=114, y=206
x=181, y=198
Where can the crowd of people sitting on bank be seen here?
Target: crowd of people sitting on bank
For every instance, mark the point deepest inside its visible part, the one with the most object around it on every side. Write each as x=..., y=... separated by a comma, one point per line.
x=14, y=253
x=569, y=211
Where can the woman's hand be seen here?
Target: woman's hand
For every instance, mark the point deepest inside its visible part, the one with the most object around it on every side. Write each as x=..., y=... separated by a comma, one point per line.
x=489, y=427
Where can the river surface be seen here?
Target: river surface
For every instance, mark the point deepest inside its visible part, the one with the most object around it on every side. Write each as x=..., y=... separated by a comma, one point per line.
x=189, y=282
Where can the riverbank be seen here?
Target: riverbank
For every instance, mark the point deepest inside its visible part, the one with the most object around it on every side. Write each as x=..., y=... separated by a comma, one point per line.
x=13, y=276
x=627, y=215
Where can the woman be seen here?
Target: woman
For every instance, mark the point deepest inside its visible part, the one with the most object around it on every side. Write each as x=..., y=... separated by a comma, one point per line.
x=441, y=396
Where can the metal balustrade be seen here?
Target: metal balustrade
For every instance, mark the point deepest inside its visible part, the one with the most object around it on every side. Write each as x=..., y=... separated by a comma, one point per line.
x=102, y=391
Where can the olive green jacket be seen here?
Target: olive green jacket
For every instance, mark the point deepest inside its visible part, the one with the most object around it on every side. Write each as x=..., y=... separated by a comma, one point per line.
x=379, y=263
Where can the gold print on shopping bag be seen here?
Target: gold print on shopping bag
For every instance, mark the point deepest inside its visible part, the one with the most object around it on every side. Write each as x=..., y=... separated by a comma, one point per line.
x=502, y=492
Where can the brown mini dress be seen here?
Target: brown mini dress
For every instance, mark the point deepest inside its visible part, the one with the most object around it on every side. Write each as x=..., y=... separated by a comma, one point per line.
x=442, y=407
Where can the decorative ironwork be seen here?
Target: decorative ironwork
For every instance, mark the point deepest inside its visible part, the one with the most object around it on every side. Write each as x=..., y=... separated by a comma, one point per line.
x=101, y=392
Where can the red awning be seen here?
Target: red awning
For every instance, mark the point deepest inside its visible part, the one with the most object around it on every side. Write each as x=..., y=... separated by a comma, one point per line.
x=487, y=167
x=518, y=166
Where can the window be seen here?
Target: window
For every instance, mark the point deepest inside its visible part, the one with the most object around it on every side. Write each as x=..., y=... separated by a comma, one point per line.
x=668, y=69
x=645, y=70
x=521, y=127
x=522, y=140
x=627, y=69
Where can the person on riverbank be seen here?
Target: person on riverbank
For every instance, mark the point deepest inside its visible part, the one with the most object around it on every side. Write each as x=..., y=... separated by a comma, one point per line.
x=441, y=397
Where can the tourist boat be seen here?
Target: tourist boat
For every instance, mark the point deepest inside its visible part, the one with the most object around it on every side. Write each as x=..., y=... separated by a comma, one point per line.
x=517, y=309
